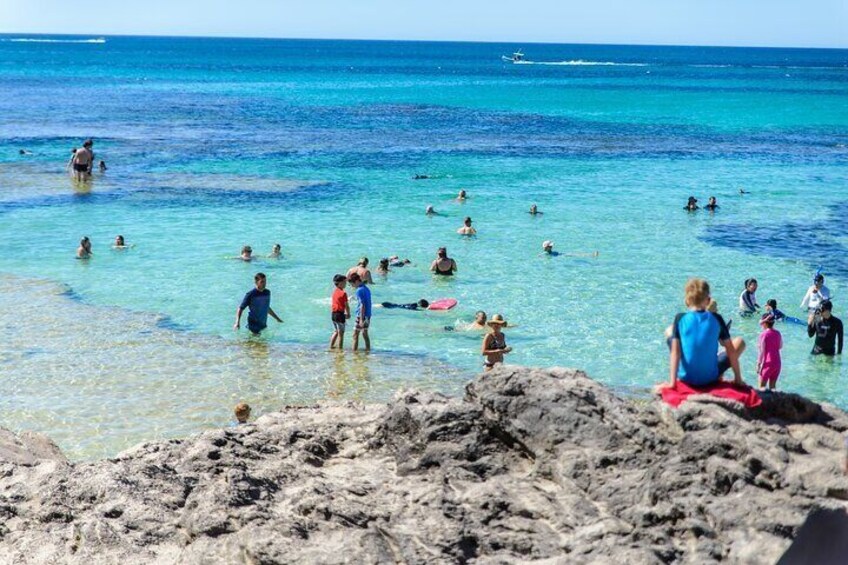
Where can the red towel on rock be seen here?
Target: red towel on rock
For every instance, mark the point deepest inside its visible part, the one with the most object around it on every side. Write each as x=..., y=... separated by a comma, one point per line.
x=722, y=389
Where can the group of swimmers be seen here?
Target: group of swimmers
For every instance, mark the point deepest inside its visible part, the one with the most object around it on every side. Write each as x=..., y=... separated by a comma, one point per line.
x=84, y=247
x=257, y=300
x=467, y=229
x=692, y=204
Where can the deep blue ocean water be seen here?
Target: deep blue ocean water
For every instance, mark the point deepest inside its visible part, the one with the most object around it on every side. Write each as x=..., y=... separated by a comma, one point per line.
x=216, y=143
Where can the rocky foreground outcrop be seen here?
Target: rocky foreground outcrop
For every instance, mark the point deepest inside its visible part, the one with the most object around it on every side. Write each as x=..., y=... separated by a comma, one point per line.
x=530, y=465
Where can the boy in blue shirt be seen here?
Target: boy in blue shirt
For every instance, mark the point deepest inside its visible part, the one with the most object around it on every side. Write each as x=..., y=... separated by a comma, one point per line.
x=696, y=335
x=258, y=301
x=363, y=311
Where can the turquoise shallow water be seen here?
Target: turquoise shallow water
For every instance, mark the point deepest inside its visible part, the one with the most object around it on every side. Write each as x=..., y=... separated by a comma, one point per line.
x=213, y=144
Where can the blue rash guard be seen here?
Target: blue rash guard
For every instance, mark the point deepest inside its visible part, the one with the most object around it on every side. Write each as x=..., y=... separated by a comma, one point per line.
x=259, y=303
x=699, y=333
x=363, y=295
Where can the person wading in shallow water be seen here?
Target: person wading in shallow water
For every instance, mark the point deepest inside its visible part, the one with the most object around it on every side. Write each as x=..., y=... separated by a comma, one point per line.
x=827, y=330
x=83, y=160
x=258, y=301
x=494, y=343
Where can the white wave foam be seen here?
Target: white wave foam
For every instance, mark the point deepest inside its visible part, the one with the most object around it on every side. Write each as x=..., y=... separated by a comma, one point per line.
x=582, y=63
x=41, y=40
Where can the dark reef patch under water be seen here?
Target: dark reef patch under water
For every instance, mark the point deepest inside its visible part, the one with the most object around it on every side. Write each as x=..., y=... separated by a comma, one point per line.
x=819, y=242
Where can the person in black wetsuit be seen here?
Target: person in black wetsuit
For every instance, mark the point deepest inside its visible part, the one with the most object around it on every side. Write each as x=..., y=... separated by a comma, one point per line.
x=827, y=330
x=421, y=304
x=712, y=205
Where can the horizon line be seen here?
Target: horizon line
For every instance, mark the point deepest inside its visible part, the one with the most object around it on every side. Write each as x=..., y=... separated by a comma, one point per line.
x=487, y=41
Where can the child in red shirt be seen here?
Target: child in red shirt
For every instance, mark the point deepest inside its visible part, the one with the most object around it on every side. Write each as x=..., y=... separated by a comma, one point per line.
x=340, y=311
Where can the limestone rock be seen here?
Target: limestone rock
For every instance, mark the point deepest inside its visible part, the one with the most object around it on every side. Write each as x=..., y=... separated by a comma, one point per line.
x=532, y=465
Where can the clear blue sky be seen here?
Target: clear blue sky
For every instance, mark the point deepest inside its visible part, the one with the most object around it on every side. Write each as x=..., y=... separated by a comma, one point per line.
x=802, y=23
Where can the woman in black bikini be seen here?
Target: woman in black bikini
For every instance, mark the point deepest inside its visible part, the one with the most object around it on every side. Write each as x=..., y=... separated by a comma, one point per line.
x=443, y=265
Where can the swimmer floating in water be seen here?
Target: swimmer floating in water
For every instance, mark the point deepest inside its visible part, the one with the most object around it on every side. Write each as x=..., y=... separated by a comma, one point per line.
x=548, y=249
x=396, y=261
x=466, y=229
x=102, y=166
x=478, y=324
x=534, y=210
x=462, y=196
x=420, y=305
x=712, y=205
x=276, y=252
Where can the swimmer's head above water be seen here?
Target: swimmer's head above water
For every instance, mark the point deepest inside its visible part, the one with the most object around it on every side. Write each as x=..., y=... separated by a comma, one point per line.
x=547, y=246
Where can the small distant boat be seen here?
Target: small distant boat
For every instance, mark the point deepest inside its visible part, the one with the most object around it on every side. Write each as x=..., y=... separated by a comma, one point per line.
x=516, y=57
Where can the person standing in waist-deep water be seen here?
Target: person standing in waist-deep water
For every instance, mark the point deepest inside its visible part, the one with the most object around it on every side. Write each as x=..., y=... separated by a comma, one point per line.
x=816, y=294
x=363, y=311
x=827, y=330
x=494, y=343
x=83, y=160
x=84, y=249
x=443, y=265
x=258, y=301
x=692, y=204
x=467, y=228
x=361, y=269
x=748, y=299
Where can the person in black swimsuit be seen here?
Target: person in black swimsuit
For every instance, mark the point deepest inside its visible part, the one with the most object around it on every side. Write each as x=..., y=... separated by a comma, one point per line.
x=443, y=265
x=712, y=205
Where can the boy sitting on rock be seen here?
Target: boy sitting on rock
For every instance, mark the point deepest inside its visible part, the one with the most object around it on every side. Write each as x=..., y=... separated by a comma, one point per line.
x=695, y=337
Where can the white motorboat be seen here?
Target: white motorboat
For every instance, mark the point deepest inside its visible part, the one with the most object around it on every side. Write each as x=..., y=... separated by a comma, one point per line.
x=516, y=57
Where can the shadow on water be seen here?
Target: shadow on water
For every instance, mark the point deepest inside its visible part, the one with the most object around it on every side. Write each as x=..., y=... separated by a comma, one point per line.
x=816, y=243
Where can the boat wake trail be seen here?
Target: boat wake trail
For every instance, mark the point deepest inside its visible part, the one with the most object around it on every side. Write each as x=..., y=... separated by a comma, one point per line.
x=581, y=63
x=42, y=40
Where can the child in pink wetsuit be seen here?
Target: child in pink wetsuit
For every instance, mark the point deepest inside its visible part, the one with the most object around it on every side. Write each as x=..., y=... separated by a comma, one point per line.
x=768, y=361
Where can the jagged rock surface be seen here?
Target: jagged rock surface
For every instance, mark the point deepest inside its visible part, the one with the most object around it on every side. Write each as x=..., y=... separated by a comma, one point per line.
x=530, y=465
